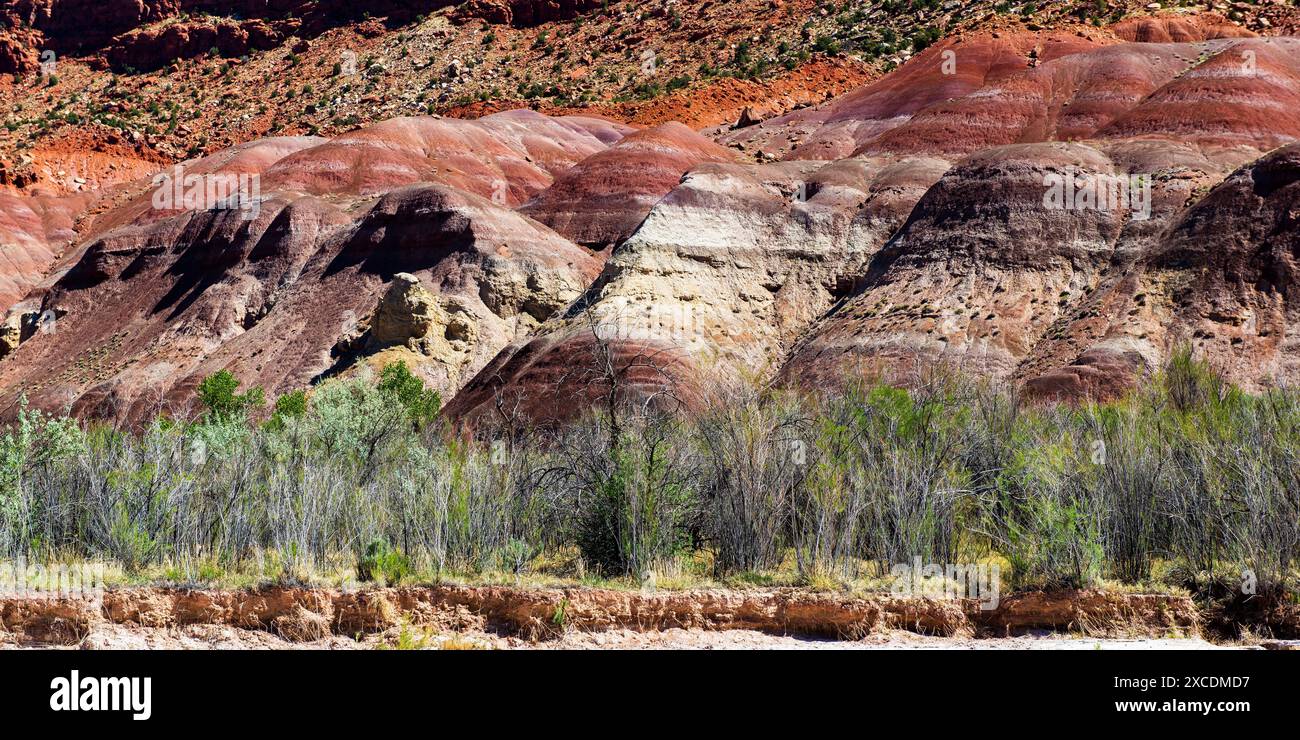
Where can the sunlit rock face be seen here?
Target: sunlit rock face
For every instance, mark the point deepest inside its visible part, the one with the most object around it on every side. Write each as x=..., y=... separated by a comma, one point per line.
x=1059, y=210
x=284, y=286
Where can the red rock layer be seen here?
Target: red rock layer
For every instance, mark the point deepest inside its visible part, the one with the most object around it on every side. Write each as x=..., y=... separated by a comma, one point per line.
x=599, y=202
x=949, y=69
x=1245, y=94
x=157, y=299
x=33, y=232
x=507, y=156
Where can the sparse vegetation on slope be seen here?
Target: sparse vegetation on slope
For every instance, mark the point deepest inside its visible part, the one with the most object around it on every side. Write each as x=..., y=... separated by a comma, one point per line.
x=160, y=94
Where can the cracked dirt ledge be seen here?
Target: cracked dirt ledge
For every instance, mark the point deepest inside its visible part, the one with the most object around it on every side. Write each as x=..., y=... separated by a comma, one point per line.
x=573, y=616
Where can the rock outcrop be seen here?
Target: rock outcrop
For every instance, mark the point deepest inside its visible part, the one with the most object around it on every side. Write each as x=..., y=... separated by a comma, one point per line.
x=724, y=274
x=1058, y=210
x=156, y=299
x=407, y=312
x=601, y=201
x=149, y=34
x=523, y=13
x=153, y=47
x=153, y=33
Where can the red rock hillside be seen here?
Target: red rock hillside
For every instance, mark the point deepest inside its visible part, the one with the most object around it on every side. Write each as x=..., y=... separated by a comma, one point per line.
x=1058, y=207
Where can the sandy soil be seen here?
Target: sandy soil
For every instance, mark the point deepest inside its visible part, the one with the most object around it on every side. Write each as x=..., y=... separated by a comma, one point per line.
x=677, y=639
x=452, y=616
x=223, y=637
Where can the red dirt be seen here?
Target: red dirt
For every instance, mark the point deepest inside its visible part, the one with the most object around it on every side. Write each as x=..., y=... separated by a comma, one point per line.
x=306, y=614
x=719, y=103
x=600, y=201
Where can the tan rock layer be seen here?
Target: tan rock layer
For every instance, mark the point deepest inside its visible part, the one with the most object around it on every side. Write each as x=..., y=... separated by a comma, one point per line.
x=305, y=614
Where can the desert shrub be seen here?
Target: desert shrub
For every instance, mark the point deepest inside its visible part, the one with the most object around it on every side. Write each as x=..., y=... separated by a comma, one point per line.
x=34, y=453
x=1127, y=467
x=1237, y=497
x=421, y=404
x=133, y=493
x=515, y=555
x=472, y=509
x=1045, y=522
x=1187, y=471
x=355, y=421
x=291, y=405
x=757, y=457
x=884, y=485
x=380, y=562
x=217, y=393
x=1188, y=383
x=911, y=447
x=629, y=497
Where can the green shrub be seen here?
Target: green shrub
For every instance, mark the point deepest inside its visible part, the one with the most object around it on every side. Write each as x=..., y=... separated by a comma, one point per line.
x=355, y=421
x=635, y=498
x=380, y=562
x=515, y=556
x=1049, y=525
x=292, y=404
x=422, y=405
x=217, y=393
x=33, y=452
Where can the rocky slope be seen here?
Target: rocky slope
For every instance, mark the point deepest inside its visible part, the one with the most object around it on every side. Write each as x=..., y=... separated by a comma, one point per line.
x=602, y=200
x=1218, y=281
x=32, y=233
x=975, y=269
x=156, y=81
x=327, y=270
x=721, y=278
x=989, y=277
x=528, y=262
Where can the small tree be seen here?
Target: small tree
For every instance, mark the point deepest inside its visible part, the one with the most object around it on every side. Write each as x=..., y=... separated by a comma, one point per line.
x=421, y=404
x=217, y=392
x=292, y=405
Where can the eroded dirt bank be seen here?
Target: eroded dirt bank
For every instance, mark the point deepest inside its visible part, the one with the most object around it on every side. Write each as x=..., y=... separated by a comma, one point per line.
x=573, y=617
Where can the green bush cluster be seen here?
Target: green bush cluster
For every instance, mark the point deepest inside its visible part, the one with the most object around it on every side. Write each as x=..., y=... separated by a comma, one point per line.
x=1187, y=481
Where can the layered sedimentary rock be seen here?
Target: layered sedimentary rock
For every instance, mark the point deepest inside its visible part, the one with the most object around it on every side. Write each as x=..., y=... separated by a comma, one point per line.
x=484, y=276
x=1219, y=281
x=950, y=69
x=724, y=274
x=505, y=157
x=599, y=202
x=1228, y=272
x=1179, y=29
x=33, y=232
x=994, y=270
x=989, y=274
x=1242, y=95
x=284, y=286
x=1046, y=208
x=1065, y=99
